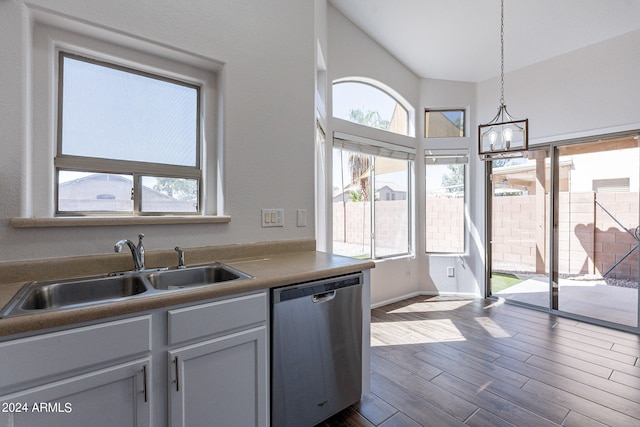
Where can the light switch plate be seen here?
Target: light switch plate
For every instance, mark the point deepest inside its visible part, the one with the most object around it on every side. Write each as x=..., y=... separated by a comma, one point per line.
x=301, y=218
x=272, y=217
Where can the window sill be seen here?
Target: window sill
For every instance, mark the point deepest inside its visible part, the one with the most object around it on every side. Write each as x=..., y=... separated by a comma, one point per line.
x=409, y=257
x=105, y=221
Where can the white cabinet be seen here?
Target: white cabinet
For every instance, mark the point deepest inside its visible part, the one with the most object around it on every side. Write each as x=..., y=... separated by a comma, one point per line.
x=200, y=364
x=94, y=375
x=113, y=396
x=221, y=381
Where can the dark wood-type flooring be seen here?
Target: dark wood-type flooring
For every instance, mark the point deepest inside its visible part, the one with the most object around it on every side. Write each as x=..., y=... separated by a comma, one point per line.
x=444, y=361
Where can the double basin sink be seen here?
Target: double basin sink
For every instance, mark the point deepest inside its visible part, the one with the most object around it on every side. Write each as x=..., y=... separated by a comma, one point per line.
x=44, y=296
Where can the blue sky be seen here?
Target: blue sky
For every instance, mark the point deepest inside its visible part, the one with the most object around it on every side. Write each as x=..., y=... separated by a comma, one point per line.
x=352, y=96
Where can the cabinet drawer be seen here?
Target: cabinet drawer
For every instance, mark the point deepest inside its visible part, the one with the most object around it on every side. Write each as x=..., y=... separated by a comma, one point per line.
x=45, y=355
x=213, y=318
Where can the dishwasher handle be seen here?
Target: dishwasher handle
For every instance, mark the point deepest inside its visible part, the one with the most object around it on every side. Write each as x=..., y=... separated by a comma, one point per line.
x=323, y=297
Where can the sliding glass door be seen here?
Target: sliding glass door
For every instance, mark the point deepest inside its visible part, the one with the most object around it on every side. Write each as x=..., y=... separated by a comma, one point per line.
x=519, y=241
x=564, y=229
x=598, y=231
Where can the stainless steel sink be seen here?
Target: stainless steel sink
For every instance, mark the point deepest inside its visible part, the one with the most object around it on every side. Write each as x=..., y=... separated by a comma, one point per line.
x=56, y=295
x=195, y=276
x=38, y=297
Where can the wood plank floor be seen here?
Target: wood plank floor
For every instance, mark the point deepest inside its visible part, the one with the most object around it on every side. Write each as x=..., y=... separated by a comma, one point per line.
x=446, y=361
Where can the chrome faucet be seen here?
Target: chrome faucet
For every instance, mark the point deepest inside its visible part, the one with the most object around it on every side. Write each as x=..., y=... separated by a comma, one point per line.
x=137, y=252
x=180, y=257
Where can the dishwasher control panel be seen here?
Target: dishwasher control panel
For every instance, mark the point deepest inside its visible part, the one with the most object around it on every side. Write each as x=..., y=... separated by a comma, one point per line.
x=313, y=288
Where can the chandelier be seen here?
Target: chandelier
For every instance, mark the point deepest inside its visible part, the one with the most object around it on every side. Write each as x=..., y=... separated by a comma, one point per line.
x=503, y=136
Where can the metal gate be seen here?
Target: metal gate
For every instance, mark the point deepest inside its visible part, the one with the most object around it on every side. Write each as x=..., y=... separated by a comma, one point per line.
x=635, y=233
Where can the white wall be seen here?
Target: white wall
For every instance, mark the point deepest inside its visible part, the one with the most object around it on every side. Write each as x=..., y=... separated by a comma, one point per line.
x=468, y=267
x=587, y=92
x=584, y=92
x=321, y=172
x=351, y=53
x=268, y=92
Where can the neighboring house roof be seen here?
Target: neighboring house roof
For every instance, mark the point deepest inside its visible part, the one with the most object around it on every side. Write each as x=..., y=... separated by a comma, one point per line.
x=346, y=194
x=387, y=189
x=108, y=186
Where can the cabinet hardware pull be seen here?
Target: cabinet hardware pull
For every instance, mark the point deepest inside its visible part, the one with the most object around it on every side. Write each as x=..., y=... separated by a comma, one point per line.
x=177, y=374
x=144, y=376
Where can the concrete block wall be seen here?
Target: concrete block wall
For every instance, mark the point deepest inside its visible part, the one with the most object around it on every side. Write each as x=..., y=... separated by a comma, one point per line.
x=391, y=225
x=514, y=240
x=444, y=224
x=590, y=240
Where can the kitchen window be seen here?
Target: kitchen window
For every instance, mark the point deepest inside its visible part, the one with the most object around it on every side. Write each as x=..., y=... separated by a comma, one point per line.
x=128, y=140
x=123, y=130
x=372, y=198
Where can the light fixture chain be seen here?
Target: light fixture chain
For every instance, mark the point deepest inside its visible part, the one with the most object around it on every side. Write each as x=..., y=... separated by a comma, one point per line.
x=501, y=52
x=504, y=136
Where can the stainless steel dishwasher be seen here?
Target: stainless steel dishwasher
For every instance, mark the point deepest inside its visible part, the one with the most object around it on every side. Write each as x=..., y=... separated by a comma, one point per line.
x=316, y=352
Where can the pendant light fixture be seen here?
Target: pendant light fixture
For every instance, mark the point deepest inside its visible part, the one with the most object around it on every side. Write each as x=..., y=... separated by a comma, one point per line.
x=503, y=136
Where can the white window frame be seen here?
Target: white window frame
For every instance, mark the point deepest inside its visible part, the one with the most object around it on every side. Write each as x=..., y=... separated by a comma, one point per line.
x=445, y=157
x=379, y=148
x=411, y=112
x=447, y=110
x=135, y=169
x=52, y=34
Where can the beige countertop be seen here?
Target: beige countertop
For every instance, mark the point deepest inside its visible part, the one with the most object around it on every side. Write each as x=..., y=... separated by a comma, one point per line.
x=271, y=266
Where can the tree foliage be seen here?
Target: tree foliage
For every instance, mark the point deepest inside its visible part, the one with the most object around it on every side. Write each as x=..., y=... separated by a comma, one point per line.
x=498, y=163
x=453, y=181
x=181, y=189
x=369, y=118
x=355, y=196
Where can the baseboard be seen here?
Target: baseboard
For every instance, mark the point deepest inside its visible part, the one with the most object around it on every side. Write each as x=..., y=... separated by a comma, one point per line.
x=423, y=293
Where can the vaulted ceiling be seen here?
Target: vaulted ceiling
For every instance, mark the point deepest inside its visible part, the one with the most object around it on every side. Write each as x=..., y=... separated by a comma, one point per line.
x=460, y=39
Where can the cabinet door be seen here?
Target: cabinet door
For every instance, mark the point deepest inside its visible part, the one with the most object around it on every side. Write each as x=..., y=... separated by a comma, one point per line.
x=220, y=382
x=115, y=396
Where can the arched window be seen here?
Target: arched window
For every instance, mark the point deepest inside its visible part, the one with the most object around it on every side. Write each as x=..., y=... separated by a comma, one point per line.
x=372, y=171
x=370, y=103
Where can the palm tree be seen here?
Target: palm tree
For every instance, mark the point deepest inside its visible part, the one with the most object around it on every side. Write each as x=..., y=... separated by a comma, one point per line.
x=359, y=166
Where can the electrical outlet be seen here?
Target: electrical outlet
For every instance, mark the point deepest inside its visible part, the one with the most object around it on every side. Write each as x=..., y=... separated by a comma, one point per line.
x=451, y=272
x=272, y=217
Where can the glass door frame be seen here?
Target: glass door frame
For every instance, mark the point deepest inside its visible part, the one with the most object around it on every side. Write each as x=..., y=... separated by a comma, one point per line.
x=553, y=230
x=489, y=196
